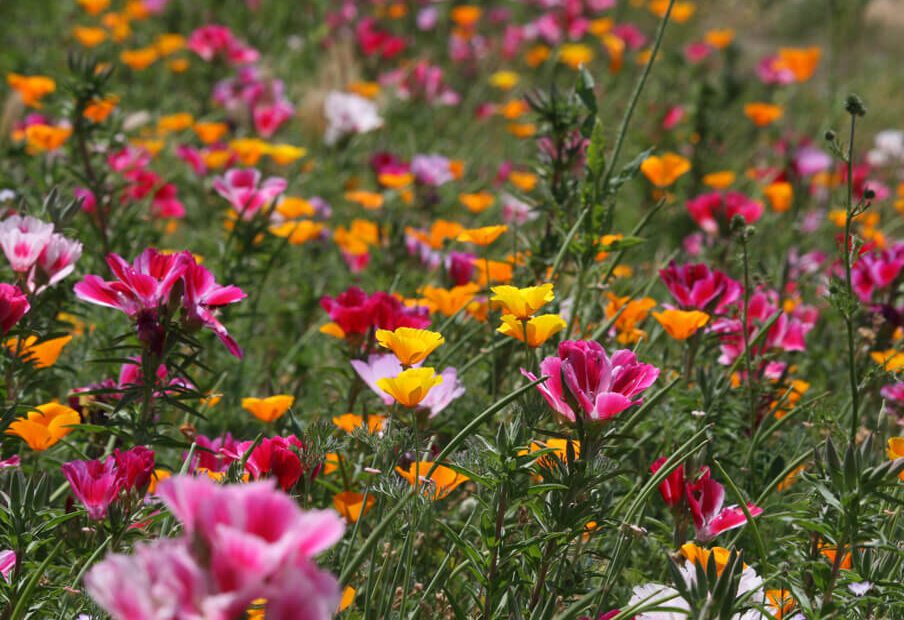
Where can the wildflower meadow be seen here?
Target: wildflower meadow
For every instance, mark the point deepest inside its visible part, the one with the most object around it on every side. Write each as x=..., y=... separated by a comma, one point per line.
x=521, y=309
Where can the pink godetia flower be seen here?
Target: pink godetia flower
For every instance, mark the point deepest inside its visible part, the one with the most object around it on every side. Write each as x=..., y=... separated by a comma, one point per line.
x=357, y=313
x=348, y=114
x=215, y=454
x=379, y=366
x=714, y=211
x=432, y=170
x=239, y=543
x=674, y=115
x=877, y=270
x=697, y=51
x=128, y=159
x=7, y=563
x=23, y=239
x=672, y=488
x=89, y=201
x=705, y=497
x=13, y=306
x=376, y=42
x=13, y=461
x=143, y=291
x=213, y=40
x=203, y=297
x=269, y=117
x=166, y=204
x=56, y=262
x=134, y=468
x=696, y=286
x=600, y=386
x=243, y=188
x=460, y=267
x=516, y=212
x=809, y=160
x=632, y=36
x=893, y=393
x=95, y=484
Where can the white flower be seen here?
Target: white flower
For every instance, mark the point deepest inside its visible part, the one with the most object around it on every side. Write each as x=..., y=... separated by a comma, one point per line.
x=349, y=114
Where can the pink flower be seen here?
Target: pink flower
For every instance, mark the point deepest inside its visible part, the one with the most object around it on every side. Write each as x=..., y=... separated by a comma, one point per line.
x=714, y=211
x=95, y=484
x=276, y=457
x=23, y=239
x=877, y=270
x=245, y=192
x=210, y=40
x=601, y=386
x=89, y=202
x=269, y=117
x=697, y=51
x=166, y=203
x=13, y=306
x=7, y=563
x=672, y=488
x=356, y=312
x=58, y=259
x=431, y=170
x=771, y=71
x=134, y=468
x=13, y=461
x=696, y=286
x=705, y=498
x=203, y=297
x=673, y=116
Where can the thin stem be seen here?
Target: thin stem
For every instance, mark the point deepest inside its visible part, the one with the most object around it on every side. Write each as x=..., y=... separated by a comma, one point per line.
x=849, y=311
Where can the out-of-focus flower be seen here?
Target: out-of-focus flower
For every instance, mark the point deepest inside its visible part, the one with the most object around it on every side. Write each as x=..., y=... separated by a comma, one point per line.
x=245, y=191
x=482, y=236
x=662, y=171
x=13, y=306
x=268, y=409
x=681, y=324
x=438, y=485
x=31, y=88
x=349, y=114
x=44, y=426
x=601, y=387
x=348, y=422
x=352, y=505
x=714, y=211
x=410, y=386
x=7, y=563
x=896, y=451
x=801, y=62
x=763, y=114
x=356, y=312
x=40, y=354
x=780, y=195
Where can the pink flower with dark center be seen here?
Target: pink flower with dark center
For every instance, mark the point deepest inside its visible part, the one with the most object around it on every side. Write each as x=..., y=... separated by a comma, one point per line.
x=696, y=286
x=600, y=386
x=876, y=270
x=705, y=498
x=243, y=188
x=95, y=484
x=13, y=306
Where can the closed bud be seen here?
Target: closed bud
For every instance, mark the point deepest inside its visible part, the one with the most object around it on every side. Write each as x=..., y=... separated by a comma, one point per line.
x=830, y=135
x=854, y=105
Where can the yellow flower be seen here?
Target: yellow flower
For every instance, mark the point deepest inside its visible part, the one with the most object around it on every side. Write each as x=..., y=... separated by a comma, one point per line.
x=42, y=138
x=482, y=236
x=94, y=7
x=719, y=180
x=348, y=422
x=478, y=202
x=525, y=181
x=681, y=11
x=268, y=409
x=369, y=200
x=536, y=56
x=539, y=328
x=504, y=80
x=441, y=482
x=780, y=603
x=634, y=313
x=700, y=556
x=156, y=477
x=790, y=479
x=31, y=88
x=45, y=425
x=348, y=597
x=248, y=150
x=557, y=445
x=896, y=451
x=575, y=54
x=449, y=301
x=522, y=302
x=762, y=114
x=139, y=59
x=521, y=130
x=663, y=171
x=168, y=44
x=352, y=506
x=285, y=154
x=395, y=180
x=513, y=109
x=298, y=232
x=466, y=15
x=174, y=122
x=411, y=386
x=98, y=110
x=493, y=271
x=890, y=360
x=681, y=324
x=411, y=346
x=209, y=132
x=720, y=39
x=43, y=354
x=368, y=90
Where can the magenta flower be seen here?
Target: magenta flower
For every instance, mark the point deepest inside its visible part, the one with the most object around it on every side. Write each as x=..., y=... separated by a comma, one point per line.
x=239, y=543
x=672, y=488
x=602, y=387
x=134, y=468
x=243, y=188
x=13, y=306
x=57, y=260
x=95, y=483
x=714, y=211
x=23, y=239
x=276, y=457
x=269, y=117
x=7, y=563
x=877, y=270
x=203, y=297
x=705, y=498
x=696, y=286
x=210, y=40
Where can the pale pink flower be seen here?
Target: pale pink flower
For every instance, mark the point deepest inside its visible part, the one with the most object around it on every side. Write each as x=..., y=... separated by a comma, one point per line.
x=23, y=239
x=243, y=188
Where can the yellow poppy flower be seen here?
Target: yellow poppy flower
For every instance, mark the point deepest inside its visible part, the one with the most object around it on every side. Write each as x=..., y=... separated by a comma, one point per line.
x=174, y=122
x=369, y=200
x=539, y=328
x=700, y=556
x=681, y=324
x=780, y=195
x=410, y=386
x=762, y=114
x=31, y=88
x=574, y=55
x=441, y=482
x=285, y=154
x=504, y=80
x=780, y=603
x=525, y=181
x=169, y=43
x=139, y=59
x=88, y=36
x=522, y=302
x=268, y=409
x=720, y=39
x=719, y=180
x=40, y=138
x=663, y=171
x=42, y=354
x=98, y=110
x=449, y=301
x=45, y=425
x=482, y=236
x=348, y=422
x=896, y=451
x=411, y=346
x=352, y=506
x=209, y=132
x=802, y=62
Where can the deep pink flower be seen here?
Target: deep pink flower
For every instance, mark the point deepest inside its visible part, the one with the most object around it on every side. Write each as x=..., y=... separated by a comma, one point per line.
x=276, y=457
x=95, y=484
x=696, y=286
x=356, y=312
x=269, y=117
x=134, y=467
x=13, y=461
x=203, y=297
x=714, y=211
x=210, y=40
x=460, y=266
x=7, y=562
x=705, y=498
x=243, y=188
x=89, y=202
x=601, y=386
x=672, y=488
x=57, y=260
x=876, y=270
x=13, y=306
x=166, y=203
x=674, y=115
